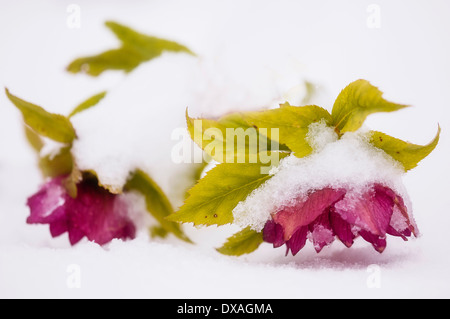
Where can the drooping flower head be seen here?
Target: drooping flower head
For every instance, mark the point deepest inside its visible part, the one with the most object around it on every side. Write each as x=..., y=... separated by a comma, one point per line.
x=94, y=213
x=73, y=200
x=346, y=188
x=326, y=214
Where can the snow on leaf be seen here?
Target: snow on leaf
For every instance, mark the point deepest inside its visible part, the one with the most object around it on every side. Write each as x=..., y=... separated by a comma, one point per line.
x=292, y=122
x=355, y=102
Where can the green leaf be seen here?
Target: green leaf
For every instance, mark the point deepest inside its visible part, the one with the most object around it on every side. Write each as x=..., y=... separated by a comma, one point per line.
x=230, y=139
x=355, y=102
x=157, y=203
x=57, y=165
x=135, y=49
x=158, y=231
x=33, y=139
x=243, y=242
x=292, y=122
x=408, y=154
x=148, y=46
x=310, y=92
x=213, y=198
x=219, y=138
x=54, y=126
x=90, y=102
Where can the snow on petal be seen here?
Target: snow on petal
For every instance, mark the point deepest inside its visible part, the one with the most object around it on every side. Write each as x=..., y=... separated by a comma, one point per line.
x=45, y=202
x=293, y=217
x=371, y=211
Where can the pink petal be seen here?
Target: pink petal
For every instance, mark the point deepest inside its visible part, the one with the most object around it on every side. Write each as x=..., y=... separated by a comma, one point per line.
x=297, y=241
x=59, y=225
x=401, y=223
x=403, y=234
x=98, y=214
x=371, y=211
x=45, y=202
x=321, y=232
x=94, y=213
x=341, y=228
x=379, y=243
x=304, y=212
x=273, y=233
x=75, y=235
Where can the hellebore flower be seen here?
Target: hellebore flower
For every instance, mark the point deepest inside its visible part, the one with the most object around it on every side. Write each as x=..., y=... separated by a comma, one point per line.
x=95, y=213
x=329, y=213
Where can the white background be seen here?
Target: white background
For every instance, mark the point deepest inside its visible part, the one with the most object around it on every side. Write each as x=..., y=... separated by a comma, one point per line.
x=251, y=53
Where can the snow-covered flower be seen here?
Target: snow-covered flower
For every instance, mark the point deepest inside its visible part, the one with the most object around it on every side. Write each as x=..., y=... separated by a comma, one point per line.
x=94, y=213
x=329, y=213
x=334, y=179
x=77, y=199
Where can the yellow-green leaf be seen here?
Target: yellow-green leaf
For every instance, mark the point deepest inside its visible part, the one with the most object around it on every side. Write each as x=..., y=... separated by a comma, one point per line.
x=33, y=139
x=292, y=122
x=157, y=203
x=135, y=48
x=54, y=126
x=57, y=165
x=213, y=198
x=243, y=242
x=408, y=154
x=355, y=102
x=230, y=139
x=148, y=46
x=225, y=140
x=90, y=102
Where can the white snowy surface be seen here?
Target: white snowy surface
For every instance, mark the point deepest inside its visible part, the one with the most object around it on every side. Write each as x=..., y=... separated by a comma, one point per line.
x=251, y=54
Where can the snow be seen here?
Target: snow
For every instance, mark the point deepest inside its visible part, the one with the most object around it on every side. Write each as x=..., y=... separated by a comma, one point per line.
x=350, y=163
x=250, y=54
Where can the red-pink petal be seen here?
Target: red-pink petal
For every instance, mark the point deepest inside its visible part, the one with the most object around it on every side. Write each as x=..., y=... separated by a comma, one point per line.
x=273, y=233
x=379, y=243
x=371, y=211
x=321, y=232
x=304, y=212
x=297, y=241
x=98, y=214
x=341, y=228
x=401, y=223
x=94, y=213
x=43, y=205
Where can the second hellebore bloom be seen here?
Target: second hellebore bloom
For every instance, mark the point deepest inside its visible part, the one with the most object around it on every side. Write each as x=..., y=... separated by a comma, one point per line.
x=329, y=213
x=95, y=213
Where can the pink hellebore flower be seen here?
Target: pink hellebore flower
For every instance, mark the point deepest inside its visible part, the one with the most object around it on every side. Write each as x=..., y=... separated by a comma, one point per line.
x=95, y=213
x=328, y=213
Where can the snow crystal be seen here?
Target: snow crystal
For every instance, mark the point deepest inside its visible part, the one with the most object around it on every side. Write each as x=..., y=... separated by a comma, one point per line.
x=350, y=163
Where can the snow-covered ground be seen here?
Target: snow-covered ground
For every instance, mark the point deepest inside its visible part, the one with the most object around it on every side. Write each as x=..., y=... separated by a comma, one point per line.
x=250, y=54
